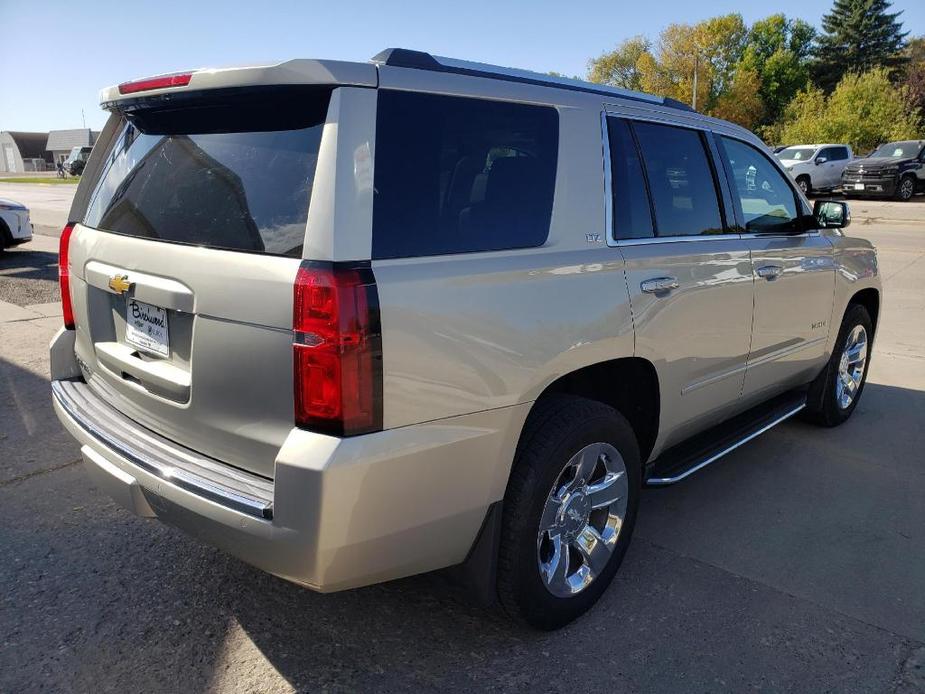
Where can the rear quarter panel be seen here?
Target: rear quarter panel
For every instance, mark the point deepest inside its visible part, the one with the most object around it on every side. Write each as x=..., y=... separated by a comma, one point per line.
x=464, y=334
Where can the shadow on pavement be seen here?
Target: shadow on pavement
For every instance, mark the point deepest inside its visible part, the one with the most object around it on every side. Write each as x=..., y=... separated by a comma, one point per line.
x=27, y=264
x=96, y=599
x=28, y=277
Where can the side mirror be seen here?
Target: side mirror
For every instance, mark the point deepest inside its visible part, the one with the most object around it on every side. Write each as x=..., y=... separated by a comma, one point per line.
x=831, y=214
x=820, y=160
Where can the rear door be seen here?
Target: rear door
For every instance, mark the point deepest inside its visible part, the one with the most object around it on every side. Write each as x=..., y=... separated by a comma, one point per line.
x=835, y=160
x=794, y=273
x=183, y=267
x=839, y=158
x=825, y=172
x=689, y=277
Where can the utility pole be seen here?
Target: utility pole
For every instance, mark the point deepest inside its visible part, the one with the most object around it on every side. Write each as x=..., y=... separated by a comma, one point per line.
x=696, y=66
x=83, y=117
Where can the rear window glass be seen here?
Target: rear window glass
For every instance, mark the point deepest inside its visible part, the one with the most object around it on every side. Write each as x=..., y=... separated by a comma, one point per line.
x=459, y=175
x=234, y=175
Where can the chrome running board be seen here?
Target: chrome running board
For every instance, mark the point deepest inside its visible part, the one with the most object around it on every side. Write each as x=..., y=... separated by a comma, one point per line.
x=691, y=456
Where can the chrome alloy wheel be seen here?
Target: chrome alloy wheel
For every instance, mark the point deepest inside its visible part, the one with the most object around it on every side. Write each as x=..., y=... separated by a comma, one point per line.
x=906, y=188
x=582, y=519
x=851, y=367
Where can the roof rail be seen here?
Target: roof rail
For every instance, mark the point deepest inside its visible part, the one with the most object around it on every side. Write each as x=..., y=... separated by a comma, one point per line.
x=403, y=57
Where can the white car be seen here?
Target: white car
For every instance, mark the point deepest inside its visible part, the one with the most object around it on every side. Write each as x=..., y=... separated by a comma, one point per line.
x=15, y=227
x=816, y=167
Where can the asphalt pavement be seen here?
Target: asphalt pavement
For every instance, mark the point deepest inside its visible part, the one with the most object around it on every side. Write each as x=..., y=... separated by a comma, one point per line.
x=795, y=564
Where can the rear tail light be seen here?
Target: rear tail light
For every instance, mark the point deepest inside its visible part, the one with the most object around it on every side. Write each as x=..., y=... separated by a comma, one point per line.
x=64, y=276
x=179, y=79
x=337, y=349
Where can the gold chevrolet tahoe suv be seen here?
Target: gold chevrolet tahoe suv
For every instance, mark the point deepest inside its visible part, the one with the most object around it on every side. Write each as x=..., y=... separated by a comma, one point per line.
x=356, y=321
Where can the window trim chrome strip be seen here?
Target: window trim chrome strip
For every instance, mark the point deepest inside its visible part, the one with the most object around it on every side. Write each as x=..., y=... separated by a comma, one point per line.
x=610, y=232
x=677, y=239
x=608, y=182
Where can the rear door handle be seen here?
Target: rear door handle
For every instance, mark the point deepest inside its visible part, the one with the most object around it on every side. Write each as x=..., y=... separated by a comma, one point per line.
x=658, y=285
x=770, y=272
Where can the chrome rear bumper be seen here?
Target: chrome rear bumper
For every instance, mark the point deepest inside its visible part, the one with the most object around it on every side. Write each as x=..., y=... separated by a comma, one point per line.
x=180, y=466
x=339, y=513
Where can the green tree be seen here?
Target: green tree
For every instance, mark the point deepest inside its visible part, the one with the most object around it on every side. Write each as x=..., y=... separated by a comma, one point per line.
x=711, y=48
x=803, y=119
x=858, y=35
x=741, y=103
x=620, y=67
x=914, y=77
x=863, y=111
x=721, y=41
x=777, y=49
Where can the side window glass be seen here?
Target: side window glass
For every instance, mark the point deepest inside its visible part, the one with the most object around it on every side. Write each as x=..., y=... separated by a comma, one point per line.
x=632, y=216
x=461, y=175
x=841, y=153
x=825, y=153
x=680, y=180
x=765, y=198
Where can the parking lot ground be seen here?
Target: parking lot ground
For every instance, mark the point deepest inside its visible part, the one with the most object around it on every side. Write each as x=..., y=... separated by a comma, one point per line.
x=797, y=563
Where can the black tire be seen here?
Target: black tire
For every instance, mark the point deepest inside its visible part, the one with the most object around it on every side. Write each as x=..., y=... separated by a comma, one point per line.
x=822, y=405
x=558, y=427
x=905, y=189
x=6, y=238
x=805, y=184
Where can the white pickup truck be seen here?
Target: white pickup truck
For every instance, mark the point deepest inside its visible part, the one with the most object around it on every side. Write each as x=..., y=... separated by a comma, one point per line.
x=816, y=167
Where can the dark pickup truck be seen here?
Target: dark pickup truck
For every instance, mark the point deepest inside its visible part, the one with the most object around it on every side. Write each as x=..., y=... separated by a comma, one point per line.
x=896, y=169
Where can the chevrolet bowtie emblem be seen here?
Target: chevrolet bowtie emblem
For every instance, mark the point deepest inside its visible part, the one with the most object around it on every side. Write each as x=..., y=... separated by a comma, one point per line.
x=119, y=284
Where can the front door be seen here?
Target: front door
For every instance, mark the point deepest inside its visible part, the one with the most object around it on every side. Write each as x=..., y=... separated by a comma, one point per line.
x=794, y=275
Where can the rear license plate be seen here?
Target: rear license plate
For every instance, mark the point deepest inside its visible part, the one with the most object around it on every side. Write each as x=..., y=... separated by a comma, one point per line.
x=859, y=186
x=146, y=327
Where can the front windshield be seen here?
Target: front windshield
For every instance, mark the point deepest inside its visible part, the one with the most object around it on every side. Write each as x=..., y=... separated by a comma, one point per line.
x=898, y=150
x=797, y=153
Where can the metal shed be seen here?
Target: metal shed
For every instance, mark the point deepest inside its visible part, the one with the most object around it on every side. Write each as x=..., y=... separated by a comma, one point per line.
x=21, y=152
x=60, y=142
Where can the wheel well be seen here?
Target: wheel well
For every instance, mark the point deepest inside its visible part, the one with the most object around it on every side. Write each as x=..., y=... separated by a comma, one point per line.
x=5, y=236
x=869, y=299
x=628, y=385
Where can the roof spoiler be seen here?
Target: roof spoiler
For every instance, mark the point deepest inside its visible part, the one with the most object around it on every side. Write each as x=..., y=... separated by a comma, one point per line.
x=292, y=72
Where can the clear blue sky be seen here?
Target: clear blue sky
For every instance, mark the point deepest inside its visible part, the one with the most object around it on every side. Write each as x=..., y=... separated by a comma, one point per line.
x=56, y=55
